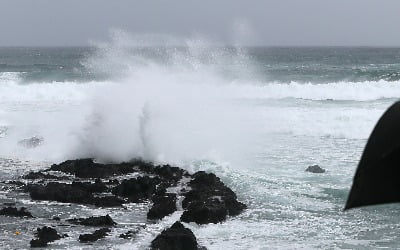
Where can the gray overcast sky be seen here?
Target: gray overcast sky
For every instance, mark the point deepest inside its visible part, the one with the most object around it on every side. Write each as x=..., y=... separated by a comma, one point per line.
x=253, y=22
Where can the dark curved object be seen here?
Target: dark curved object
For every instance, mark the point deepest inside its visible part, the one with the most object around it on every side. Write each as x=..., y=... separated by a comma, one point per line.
x=377, y=179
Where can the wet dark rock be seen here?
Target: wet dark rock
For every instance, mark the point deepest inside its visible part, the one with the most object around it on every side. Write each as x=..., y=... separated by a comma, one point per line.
x=113, y=182
x=45, y=235
x=16, y=183
x=163, y=204
x=13, y=211
x=166, y=172
x=60, y=192
x=29, y=187
x=177, y=237
x=99, y=221
x=98, y=234
x=206, y=198
x=32, y=142
x=132, y=233
x=70, y=193
x=56, y=218
x=107, y=201
x=209, y=200
x=38, y=243
x=97, y=187
x=137, y=189
x=9, y=203
x=315, y=169
x=86, y=168
x=204, y=212
x=128, y=235
x=39, y=175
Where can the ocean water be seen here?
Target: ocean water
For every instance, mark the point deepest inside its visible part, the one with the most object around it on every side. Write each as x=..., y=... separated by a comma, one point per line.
x=257, y=117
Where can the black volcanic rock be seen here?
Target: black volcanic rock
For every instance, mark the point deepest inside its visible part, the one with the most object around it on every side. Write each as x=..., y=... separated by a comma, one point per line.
x=99, y=221
x=315, y=169
x=177, y=237
x=163, y=204
x=204, y=212
x=44, y=235
x=137, y=189
x=12, y=211
x=47, y=233
x=107, y=201
x=206, y=198
x=97, y=187
x=131, y=233
x=40, y=175
x=60, y=192
x=128, y=235
x=38, y=243
x=166, y=172
x=96, y=235
x=16, y=183
x=209, y=200
x=86, y=168
x=70, y=193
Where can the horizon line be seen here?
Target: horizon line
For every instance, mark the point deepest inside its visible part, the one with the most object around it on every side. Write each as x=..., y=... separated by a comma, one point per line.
x=227, y=45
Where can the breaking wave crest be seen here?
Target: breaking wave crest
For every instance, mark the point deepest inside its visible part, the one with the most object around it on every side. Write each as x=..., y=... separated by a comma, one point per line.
x=174, y=105
x=341, y=91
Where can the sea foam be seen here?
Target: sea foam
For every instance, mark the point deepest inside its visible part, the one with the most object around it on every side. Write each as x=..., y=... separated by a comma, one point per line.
x=177, y=105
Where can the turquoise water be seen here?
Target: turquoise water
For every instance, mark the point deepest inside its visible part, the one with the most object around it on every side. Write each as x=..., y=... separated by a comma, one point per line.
x=257, y=117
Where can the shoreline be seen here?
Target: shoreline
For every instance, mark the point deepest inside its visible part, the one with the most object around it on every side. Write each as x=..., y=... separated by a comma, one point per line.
x=200, y=198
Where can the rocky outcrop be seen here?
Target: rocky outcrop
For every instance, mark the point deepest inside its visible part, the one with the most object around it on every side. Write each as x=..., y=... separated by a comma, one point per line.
x=107, y=201
x=45, y=235
x=168, y=173
x=177, y=237
x=205, y=197
x=315, y=169
x=163, y=204
x=137, y=189
x=40, y=175
x=60, y=192
x=99, y=221
x=70, y=193
x=86, y=168
x=97, y=187
x=96, y=235
x=209, y=200
x=13, y=211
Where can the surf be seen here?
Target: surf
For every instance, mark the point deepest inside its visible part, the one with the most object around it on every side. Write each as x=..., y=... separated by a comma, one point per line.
x=178, y=105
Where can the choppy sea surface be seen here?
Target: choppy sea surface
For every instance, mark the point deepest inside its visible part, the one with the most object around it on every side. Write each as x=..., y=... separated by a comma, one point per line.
x=256, y=117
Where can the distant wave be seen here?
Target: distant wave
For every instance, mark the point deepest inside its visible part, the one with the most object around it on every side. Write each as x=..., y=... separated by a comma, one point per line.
x=9, y=77
x=12, y=91
x=343, y=91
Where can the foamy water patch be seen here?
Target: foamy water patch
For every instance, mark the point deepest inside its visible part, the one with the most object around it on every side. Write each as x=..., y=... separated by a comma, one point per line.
x=10, y=77
x=344, y=91
x=13, y=92
x=173, y=117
